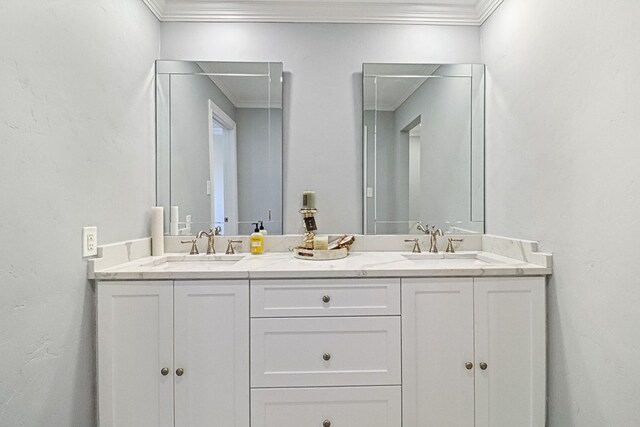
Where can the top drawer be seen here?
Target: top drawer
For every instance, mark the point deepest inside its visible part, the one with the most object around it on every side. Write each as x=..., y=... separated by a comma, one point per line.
x=325, y=297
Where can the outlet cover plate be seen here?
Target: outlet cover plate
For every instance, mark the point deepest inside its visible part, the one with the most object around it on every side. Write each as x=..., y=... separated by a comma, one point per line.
x=89, y=241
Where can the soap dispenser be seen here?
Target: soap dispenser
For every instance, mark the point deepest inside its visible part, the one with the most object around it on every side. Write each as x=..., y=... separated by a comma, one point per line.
x=257, y=241
x=263, y=230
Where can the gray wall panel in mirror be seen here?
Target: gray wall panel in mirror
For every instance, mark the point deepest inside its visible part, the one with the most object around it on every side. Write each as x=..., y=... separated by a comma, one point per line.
x=423, y=137
x=219, y=145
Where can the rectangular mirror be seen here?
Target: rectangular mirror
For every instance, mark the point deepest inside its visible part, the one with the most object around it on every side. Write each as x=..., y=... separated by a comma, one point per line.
x=423, y=145
x=219, y=146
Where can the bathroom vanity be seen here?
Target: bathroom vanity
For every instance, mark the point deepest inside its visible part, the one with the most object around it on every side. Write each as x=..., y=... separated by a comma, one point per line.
x=378, y=339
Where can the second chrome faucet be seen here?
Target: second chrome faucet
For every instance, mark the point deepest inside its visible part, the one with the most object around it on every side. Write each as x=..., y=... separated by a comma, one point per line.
x=210, y=242
x=434, y=233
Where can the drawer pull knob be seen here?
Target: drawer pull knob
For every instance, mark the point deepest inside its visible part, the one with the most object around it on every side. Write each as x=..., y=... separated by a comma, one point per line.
x=326, y=356
x=326, y=423
x=164, y=371
x=179, y=372
x=326, y=299
x=468, y=365
x=483, y=366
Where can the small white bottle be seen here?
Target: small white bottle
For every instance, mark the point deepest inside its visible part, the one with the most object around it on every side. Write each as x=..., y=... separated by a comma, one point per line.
x=263, y=230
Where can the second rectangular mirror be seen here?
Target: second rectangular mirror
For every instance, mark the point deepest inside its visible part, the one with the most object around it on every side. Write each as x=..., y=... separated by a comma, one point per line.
x=219, y=146
x=423, y=138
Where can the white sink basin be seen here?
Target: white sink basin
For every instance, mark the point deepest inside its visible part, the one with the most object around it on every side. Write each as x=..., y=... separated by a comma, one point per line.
x=456, y=259
x=195, y=262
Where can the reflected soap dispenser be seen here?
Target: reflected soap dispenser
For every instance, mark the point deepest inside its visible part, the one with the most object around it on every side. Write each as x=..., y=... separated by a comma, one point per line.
x=263, y=230
x=257, y=241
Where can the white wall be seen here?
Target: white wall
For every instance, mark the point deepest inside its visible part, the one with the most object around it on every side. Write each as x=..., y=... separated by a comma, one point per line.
x=76, y=148
x=323, y=91
x=562, y=167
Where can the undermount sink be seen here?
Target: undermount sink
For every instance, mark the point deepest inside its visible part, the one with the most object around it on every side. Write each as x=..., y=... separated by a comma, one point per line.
x=195, y=262
x=457, y=259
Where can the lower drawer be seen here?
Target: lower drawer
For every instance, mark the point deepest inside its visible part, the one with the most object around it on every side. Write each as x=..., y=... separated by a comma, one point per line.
x=326, y=407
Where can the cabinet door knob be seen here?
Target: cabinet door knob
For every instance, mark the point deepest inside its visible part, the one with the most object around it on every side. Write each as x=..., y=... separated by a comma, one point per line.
x=179, y=372
x=468, y=365
x=164, y=371
x=326, y=423
x=326, y=356
x=326, y=299
x=483, y=366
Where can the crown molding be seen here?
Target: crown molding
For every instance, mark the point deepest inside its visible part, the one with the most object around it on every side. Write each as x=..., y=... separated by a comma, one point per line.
x=321, y=12
x=156, y=7
x=486, y=7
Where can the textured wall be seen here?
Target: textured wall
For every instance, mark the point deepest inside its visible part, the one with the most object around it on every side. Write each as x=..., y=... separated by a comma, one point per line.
x=76, y=148
x=323, y=94
x=562, y=167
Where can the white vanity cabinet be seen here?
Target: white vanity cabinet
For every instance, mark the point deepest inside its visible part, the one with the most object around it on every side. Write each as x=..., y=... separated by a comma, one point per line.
x=351, y=352
x=474, y=352
x=173, y=353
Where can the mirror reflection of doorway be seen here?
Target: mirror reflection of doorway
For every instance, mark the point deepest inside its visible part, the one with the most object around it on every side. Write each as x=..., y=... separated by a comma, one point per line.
x=223, y=166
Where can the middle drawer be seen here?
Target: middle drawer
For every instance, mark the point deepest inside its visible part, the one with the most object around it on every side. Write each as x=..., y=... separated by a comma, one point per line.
x=336, y=351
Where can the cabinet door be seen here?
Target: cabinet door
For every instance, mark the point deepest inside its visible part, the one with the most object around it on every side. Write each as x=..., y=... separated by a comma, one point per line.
x=437, y=343
x=212, y=348
x=510, y=340
x=135, y=342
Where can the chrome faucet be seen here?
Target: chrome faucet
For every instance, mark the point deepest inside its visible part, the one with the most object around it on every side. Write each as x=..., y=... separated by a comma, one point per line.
x=210, y=244
x=416, y=245
x=434, y=233
x=434, y=239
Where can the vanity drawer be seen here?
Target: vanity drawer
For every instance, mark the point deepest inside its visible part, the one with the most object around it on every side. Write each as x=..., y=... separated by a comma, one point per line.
x=325, y=297
x=336, y=351
x=331, y=407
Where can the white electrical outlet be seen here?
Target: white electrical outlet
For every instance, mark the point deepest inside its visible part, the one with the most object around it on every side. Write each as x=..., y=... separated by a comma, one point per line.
x=89, y=241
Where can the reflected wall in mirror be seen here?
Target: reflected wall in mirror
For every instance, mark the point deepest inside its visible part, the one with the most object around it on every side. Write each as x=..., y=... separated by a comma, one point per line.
x=423, y=144
x=219, y=146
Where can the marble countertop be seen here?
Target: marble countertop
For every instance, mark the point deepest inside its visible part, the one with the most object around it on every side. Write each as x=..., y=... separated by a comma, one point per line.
x=283, y=265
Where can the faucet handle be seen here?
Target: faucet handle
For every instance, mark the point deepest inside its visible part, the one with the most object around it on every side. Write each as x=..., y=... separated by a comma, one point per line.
x=230, y=250
x=450, y=248
x=416, y=245
x=194, y=246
